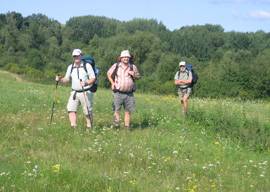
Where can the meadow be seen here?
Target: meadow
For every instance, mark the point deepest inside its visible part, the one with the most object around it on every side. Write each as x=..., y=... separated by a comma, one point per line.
x=221, y=145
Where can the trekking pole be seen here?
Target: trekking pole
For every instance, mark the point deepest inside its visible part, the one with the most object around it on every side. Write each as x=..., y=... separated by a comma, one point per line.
x=54, y=99
x=87, y=106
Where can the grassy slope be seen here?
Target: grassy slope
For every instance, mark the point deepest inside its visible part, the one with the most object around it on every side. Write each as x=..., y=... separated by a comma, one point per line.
x=163, y=152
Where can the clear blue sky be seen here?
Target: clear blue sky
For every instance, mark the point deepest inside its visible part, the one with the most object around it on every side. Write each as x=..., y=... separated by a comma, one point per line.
x=232, y=15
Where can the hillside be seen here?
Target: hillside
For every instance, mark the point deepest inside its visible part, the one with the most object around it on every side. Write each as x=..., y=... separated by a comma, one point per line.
x=222, y=145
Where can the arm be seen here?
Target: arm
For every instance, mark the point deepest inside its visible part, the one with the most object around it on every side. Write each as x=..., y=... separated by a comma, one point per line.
x=88, y=82
x=136, y=75
x=61, y=80
x=111, y=80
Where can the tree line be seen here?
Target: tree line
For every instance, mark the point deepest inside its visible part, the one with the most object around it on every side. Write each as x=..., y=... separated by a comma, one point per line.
x=229, y=64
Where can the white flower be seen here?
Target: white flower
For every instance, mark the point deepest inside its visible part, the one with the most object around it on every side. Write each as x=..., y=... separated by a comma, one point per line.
x=175, y=152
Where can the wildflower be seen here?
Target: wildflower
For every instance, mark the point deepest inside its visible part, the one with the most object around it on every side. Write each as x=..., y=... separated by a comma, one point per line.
x=85, y=150
x=36, y=166
x=119, y=152
x=56, y=167
x=175, y=152
x=58, y=101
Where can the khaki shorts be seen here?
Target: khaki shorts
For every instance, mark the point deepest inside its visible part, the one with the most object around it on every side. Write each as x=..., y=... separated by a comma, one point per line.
x=74, y=103
x=184, y=93
x=126, y=99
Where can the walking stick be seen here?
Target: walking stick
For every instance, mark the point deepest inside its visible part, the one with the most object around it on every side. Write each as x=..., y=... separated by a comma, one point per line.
x=87, y=107
x=54, y=99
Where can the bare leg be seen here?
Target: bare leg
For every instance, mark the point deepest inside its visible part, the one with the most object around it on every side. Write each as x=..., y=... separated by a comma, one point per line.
x=127, y=118
x=89, y=120
x=185, y=101
x=72, y=118
x=116, y=118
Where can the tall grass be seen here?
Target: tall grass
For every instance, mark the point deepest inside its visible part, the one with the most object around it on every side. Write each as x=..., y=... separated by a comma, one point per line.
x=222, y=145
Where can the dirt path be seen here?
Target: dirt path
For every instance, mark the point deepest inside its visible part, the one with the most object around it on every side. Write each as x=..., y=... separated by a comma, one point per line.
x=15, y=76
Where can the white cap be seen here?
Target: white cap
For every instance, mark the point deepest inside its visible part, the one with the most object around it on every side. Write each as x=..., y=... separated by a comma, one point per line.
x=76, y=52
x=182, y=63
x=125, y=53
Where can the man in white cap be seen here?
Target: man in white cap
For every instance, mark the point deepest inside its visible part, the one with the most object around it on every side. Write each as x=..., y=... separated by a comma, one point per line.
x=123, y=87
x=183, y=79
x=82, y=81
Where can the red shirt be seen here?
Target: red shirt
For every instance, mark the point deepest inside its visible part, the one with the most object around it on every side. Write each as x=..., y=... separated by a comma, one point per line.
x=123, y=81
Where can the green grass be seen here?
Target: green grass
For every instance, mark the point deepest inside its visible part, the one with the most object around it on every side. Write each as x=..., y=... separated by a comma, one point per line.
x=221, y=146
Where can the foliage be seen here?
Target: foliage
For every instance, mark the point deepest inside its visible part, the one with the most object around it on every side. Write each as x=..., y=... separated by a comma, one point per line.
x=228, y=63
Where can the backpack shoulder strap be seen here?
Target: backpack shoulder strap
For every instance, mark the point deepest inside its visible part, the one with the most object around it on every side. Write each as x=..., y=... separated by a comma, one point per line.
x=116, y=68
x=188, y=72
x=85, y=69
x=84, y=66
x=131, y=69
x=71, y=68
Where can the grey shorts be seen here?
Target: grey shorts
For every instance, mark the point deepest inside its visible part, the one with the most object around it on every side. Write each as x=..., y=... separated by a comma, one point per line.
x=126, y=99
x=184, y=93
x=74, y=103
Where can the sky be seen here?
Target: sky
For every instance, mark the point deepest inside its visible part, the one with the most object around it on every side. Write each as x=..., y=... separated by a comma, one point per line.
x=232, y=15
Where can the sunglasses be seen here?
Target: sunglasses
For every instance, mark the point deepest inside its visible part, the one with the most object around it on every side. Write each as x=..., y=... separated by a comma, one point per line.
x=182, y=65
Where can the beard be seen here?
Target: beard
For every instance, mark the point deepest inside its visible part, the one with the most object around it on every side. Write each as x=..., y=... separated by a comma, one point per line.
x=183, y=70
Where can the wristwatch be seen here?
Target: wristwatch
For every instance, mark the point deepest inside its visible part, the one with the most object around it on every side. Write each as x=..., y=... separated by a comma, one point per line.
x=86, y=84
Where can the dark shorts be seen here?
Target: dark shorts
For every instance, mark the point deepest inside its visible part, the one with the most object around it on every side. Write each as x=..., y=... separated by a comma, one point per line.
x=126, y=99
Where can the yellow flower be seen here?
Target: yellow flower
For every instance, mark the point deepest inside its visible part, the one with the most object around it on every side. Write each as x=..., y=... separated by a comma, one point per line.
x=58, y=101
x=56, y=167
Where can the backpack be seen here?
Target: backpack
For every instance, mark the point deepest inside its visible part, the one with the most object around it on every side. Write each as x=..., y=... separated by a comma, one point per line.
x=89, y=59
x=194, y=75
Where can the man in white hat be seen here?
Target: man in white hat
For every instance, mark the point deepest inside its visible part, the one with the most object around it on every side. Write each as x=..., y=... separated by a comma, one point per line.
x=81, y=84
x=123, y=87
x=183, y=79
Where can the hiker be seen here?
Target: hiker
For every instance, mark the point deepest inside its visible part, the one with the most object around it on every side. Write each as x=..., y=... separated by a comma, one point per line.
x=81, y=84
x=123, y=87
x=183, y=79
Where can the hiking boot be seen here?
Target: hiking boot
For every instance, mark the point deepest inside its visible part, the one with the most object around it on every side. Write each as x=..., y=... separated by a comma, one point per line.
x=116, y=124
x=127, y=128
x=73, y=127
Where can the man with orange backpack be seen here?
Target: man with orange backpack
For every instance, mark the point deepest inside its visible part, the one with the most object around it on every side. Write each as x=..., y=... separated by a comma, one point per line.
x=123, y=86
